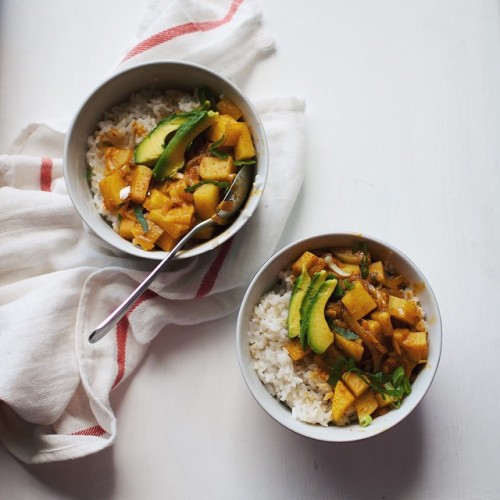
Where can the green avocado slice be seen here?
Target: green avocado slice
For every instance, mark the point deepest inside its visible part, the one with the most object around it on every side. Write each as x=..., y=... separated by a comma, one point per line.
x=151, y=147
x=319, y=335
x=298, y=293
x=311, y=292
x=171, y=159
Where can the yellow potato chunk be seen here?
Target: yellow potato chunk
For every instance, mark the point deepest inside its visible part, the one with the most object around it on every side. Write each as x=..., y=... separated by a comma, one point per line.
x=244, y=148
x=115, y=158
x=139, y=183
x=206, y=199
x=404, y=310
x=227, y=107
x=400, y=334
x=146, y=240
x=377, y=268
x=177, y=192
x=358, y=301
x=366, y=404
x=355, y=383
x=353, y=348
x=176, y=222
x=166, y=242
x=295, y=350
x=232, y=134
x=415, y=345
x=125, y=228
x=342, y=400
x=218, y=130
x=384, y=318
x=373, y=327
x=311, y=262
x=217, y=169
x=156, y=199
x=110, y=187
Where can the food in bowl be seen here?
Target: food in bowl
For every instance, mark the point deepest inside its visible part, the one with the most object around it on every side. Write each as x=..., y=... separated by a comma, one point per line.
x=341, y=337
x=160, y=162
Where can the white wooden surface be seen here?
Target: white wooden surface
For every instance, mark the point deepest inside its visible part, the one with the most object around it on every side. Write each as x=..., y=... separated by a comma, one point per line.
x=403, y=143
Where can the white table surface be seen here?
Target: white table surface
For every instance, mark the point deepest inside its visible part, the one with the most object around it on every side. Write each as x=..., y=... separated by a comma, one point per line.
x=403, y=143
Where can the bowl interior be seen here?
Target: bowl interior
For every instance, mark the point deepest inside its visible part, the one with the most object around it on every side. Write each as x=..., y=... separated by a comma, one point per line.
x=267, y=277
x=160, y=75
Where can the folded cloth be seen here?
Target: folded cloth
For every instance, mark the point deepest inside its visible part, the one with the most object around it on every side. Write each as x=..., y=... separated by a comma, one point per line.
x=57, y=280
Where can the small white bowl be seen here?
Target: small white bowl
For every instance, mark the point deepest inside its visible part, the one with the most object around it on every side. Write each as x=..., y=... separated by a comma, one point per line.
x=161, y=75
x=267, y=277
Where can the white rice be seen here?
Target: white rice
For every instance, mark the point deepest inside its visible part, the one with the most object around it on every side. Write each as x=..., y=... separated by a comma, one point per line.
x=301, y=385
x=125, y=125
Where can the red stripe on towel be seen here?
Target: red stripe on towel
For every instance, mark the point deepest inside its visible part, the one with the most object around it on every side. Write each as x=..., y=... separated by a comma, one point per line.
x=121, y=335
x=210, y=277
x=121, y=344
x=97, y=431
x=46, y=174
x=182, y=29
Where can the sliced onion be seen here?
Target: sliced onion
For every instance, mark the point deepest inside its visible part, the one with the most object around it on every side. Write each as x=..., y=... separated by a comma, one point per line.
x=336, y=269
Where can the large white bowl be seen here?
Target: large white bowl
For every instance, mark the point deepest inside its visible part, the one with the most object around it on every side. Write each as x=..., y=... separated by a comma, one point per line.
x=162, y=75
x=267, y=277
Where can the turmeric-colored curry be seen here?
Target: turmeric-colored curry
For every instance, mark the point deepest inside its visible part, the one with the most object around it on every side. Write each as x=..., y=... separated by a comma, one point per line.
x=176, y=176
x=361, y=324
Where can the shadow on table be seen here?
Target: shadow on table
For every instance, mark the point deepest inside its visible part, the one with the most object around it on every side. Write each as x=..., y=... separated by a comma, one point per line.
x=388, y=465
x=79, y=478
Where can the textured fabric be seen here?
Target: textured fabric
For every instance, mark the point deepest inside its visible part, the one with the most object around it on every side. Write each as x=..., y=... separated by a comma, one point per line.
x=58, y=281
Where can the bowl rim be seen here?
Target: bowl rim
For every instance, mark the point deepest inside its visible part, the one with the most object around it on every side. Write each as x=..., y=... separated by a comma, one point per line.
x=278, y=410
x=98, y=224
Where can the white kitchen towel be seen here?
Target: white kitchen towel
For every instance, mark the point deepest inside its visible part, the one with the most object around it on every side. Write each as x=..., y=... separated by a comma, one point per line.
x=57, y=281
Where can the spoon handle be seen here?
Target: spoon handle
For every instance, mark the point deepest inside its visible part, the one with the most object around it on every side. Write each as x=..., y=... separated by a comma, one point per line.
x=112, y=320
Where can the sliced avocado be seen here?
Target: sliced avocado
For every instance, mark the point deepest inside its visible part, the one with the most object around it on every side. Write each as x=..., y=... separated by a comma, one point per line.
x=319, y=335
x=151, y=147
x=313, y=288
x=298, y=293
x=172, y=158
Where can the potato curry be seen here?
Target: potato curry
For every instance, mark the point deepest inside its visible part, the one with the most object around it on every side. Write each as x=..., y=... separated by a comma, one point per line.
x=177, y=175
x=361, y=324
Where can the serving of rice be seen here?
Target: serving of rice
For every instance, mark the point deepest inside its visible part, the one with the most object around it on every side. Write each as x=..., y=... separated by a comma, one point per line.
x=124, y=126
x=301, y=386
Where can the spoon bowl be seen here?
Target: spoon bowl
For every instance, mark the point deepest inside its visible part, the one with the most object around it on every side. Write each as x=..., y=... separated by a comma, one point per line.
x=227, y=209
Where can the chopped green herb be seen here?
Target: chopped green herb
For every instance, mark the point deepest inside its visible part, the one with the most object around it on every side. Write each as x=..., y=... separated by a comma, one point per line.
x=140, y=218
x=365, y=420
x=212, y=149
x=361, y=247
x=395, y=386
x=206, y=95
x=338, y=368
x=364, y=266
x=341, y=288
x=194, y=187
x=240, y=163
x=347, y=334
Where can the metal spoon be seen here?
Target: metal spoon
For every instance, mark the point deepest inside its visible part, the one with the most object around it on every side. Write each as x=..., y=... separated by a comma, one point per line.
x=226, y=211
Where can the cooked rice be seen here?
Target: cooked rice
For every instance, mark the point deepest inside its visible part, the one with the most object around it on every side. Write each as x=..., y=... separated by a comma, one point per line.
x=125, y=125
x=301, y=386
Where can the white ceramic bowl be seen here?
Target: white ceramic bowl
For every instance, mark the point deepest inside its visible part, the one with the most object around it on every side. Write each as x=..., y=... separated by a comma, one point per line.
x=267, y=277
x=163, y=75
